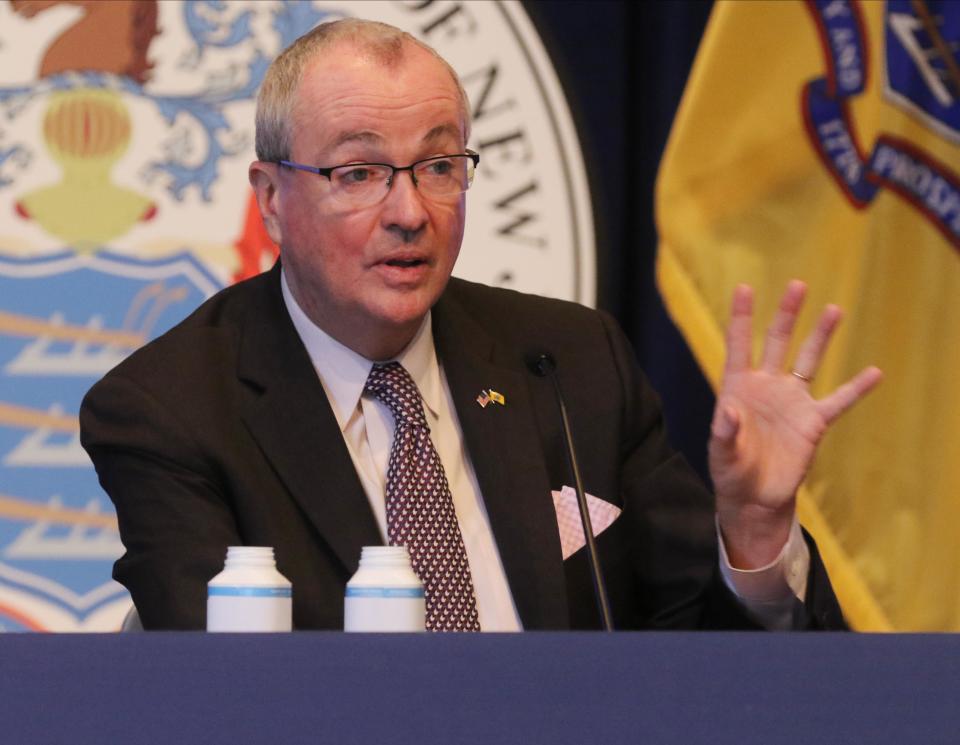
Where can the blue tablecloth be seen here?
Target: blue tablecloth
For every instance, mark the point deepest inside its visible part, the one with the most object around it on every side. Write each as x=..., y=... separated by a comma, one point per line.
x=523, y=688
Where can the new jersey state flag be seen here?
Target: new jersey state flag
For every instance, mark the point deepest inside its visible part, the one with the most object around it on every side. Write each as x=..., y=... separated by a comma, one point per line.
x=821, y=140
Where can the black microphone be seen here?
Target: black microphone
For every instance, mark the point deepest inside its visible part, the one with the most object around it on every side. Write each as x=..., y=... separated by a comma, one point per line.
x=543, y=365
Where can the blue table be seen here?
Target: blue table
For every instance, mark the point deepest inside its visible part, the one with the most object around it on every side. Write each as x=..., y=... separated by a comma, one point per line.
x=524, y=688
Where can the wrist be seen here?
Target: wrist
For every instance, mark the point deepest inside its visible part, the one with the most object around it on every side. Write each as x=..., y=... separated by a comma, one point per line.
x=754, y=535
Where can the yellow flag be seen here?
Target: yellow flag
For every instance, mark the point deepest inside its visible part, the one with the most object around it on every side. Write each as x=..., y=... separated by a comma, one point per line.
x=821, y=140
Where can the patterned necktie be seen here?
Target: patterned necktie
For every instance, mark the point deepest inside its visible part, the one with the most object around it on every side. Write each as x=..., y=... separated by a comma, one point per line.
x=420, y=512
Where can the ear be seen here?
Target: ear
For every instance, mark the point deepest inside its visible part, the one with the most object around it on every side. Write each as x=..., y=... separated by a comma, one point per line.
x=264, y=179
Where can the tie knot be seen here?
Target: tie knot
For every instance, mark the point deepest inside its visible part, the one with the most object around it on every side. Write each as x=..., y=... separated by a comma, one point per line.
x=392, y=385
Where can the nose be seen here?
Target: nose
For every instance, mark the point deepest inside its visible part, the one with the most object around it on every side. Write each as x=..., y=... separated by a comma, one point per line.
x=404, y=213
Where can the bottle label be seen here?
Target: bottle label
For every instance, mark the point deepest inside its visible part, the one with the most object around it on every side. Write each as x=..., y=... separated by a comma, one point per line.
x=250, y=592
x=384, y=592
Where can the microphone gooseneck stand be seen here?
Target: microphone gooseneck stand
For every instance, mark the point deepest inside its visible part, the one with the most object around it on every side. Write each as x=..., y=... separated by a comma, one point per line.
x=543, y=365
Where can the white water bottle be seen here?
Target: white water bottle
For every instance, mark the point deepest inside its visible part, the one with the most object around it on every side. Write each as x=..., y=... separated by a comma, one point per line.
x=385, y=594
x=249, y=594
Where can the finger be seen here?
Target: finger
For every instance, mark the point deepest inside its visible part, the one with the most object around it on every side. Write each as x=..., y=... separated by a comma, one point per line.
x=811, y=351
x=849, y=393
x=780, y=331
x=726, y=423
x=740, y=329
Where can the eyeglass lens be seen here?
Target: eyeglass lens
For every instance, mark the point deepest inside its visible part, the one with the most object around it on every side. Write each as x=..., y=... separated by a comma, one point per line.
x=445, y=176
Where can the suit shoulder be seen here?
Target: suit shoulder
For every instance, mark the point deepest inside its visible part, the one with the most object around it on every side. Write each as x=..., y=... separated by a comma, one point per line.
x=233, y=304
x=580, y=338
x=202, y=336
x=500, y=305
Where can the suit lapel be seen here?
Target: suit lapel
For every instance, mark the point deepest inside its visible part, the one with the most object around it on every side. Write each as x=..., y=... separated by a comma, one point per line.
x=288, y=414
x=503, y=443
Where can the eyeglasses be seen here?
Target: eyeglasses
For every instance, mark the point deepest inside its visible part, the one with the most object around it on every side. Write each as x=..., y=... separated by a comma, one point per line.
x=359, y=185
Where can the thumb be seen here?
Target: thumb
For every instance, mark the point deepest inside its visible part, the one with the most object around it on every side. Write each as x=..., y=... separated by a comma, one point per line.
x=725, y=425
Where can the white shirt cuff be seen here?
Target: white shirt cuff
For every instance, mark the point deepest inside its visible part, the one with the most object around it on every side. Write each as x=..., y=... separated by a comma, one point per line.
x=771, y=591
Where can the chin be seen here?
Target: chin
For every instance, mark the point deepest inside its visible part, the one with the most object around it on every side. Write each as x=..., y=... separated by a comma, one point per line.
x=403, y=318
x=406, y=307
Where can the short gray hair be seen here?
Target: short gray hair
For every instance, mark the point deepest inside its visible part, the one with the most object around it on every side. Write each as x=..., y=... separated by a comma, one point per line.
x=277, y=96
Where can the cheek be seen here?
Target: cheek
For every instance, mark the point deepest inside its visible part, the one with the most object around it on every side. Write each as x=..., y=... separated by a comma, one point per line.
x=328, y=238
x=295, y=221
x=450, y=223
x=353, y=231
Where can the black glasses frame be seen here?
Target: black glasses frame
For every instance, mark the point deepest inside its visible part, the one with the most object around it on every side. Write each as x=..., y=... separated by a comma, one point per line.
x=474, y=156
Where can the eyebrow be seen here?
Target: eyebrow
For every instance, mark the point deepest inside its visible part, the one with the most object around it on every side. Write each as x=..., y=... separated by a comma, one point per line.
x=366, y=136
x=439, y=131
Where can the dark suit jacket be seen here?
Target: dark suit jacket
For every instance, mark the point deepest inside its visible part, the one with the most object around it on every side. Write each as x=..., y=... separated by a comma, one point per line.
x=219, y=433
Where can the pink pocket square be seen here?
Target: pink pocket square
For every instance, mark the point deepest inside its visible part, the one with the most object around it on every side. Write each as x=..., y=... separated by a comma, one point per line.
x=602, y=515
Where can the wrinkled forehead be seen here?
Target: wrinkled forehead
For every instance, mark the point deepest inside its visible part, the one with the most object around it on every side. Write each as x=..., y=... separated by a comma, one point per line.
x=350, y=80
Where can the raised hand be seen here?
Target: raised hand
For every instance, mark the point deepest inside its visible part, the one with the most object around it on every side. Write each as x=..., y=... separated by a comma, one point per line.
x=766, y=425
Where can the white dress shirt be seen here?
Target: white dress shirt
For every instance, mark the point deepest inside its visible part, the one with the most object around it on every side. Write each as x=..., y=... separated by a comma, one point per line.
x=367, y=427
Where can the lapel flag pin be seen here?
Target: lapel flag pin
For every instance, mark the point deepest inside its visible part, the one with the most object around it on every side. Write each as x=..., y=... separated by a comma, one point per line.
x=490, y=397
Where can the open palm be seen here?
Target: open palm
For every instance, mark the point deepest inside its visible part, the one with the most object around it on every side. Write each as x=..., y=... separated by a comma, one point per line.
x=767, y=425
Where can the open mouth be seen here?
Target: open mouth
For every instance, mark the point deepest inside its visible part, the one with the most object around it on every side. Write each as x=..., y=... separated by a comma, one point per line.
x=405, y=263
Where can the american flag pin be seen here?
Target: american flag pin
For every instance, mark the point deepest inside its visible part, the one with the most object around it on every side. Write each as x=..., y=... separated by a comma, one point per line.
x=483, y=399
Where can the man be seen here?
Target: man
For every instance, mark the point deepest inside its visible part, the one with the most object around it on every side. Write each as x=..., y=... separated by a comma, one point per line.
x=263, y=420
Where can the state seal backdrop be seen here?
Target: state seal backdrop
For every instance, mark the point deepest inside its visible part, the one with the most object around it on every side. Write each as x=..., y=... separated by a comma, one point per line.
x=126, y=129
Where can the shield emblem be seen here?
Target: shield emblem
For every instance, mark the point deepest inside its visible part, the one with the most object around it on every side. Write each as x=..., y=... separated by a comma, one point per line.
x=65, y=321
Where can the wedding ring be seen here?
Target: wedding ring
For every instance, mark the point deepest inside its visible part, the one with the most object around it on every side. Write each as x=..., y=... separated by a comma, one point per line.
x=801, y=376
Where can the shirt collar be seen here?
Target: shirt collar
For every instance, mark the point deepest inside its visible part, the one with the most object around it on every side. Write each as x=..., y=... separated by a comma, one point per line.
x=344, y=372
